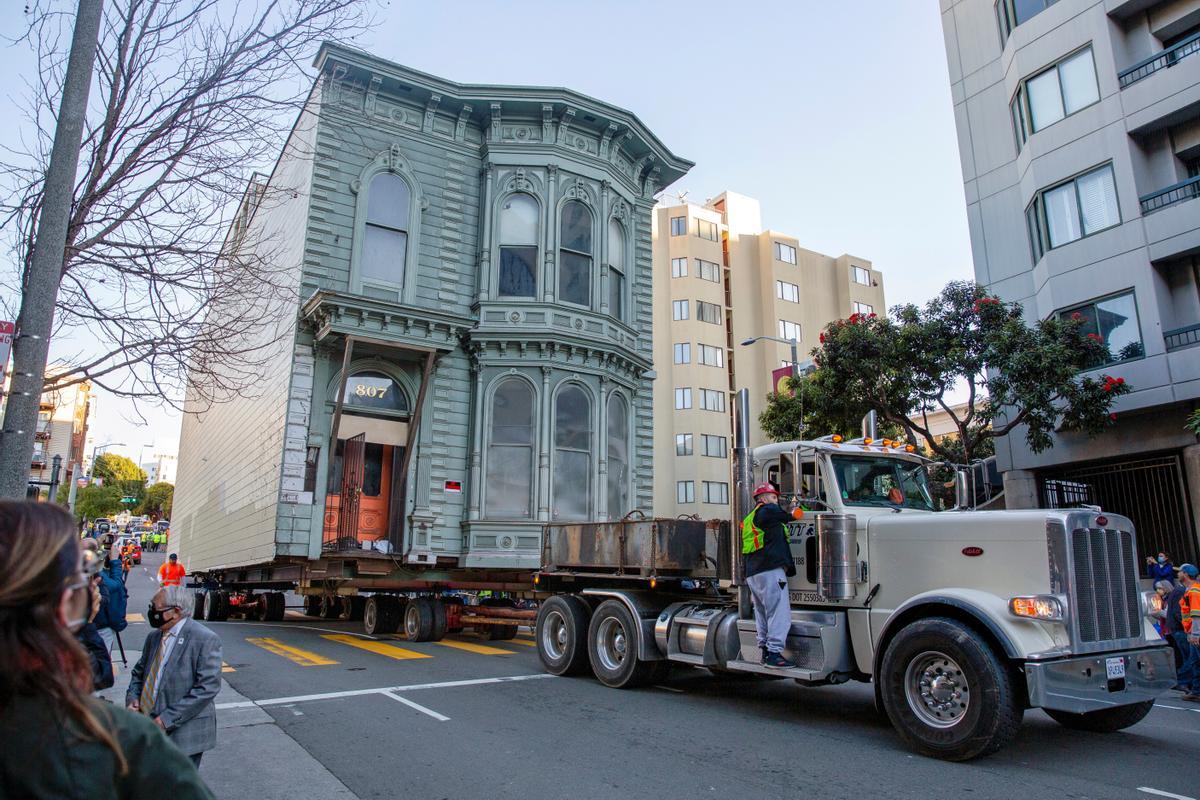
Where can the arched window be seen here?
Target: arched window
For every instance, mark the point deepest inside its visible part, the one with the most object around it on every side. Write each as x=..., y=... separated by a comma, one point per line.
x=575, y=254
x=518, y=246
x=385, y=235
x=510, y=451
x=616, y=269
x=374, y=391
x=618, y=457
x=572, y=454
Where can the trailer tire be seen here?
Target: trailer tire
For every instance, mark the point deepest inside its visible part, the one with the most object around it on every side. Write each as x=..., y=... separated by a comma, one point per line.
x=439, y=620
x=222, y=603
x=258, y=611
x=381, y=614
x=946, y=692
x=275, y=607
x=561, y=634
x=212, y=607
x=312, y=605
x=612, y=643
x=331, y=606
x=198, y=610
x=496, y=633
x=418, y=620
x=1105, y=720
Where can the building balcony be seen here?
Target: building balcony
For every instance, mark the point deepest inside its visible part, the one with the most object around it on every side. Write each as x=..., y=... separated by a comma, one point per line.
x=1159, y=61
x=1175, y=193
x=1180, y=338
x=1171, y=220
x=1162, y=90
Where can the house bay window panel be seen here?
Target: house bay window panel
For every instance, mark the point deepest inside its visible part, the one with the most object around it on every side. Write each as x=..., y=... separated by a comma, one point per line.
x=518, y=272
x=618, y=457
x=572, y=454
x=575, y=254
x=518, y=233
x=385, y=232
x=616, y=269
x=510, y=455
x=1055, y=93
x=1076, y=208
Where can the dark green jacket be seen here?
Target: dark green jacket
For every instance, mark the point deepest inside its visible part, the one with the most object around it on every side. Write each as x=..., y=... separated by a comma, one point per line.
x=43, y=757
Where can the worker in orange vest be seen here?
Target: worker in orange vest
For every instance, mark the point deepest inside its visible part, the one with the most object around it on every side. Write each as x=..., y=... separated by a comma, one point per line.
x=172, y=572
x=1189, y=609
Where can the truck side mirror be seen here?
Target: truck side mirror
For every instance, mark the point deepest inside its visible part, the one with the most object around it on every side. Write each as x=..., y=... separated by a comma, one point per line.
x=962, y=490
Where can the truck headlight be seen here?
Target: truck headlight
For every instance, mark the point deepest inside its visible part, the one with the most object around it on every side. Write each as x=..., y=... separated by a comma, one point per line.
x=1038, y=606
x=1152, y=604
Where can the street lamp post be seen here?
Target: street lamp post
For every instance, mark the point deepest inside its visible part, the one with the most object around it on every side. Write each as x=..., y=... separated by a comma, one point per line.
x=792, y=343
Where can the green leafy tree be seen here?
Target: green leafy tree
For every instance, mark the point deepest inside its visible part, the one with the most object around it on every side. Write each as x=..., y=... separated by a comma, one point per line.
x=802, y=412
x=98, y=501
x=1014, y=374
x=1193, y=422
x=157, y=502
x=120, y=472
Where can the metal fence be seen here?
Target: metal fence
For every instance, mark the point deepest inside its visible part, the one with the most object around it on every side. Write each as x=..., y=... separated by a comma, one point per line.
x=1150, y=491
x=1182, y=337
x=1170, y=195
x=1167, y=58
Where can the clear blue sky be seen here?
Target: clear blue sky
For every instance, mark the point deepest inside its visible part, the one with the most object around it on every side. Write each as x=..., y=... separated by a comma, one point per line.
x=835, y=116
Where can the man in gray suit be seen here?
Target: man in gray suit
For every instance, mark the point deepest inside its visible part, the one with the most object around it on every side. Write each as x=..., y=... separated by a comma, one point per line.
x=179, y=674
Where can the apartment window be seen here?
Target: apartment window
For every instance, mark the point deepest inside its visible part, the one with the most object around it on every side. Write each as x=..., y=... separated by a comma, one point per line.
x=862, y=308
x=679, y=309
x=683, y=398
x=714, y=446
x=683, y=444
x=712, y=356
x=575, y=254
x=685, y=491
x=679, y=267
x=712, y=400
x=1079, y=207
x=683, y=352
x=785, y=253
x=787, y=291
x=1011, y=13
x=1054, y=93
x=1114, y=319
x=709, y=271
x=789, y=330
x=518, y=246
x=678, y=226
x=708, y=312
x=861, y=275
x=706, y=230
x=716, y=492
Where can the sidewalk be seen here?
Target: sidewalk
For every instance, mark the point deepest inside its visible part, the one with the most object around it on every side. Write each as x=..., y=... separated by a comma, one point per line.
x=253, y=757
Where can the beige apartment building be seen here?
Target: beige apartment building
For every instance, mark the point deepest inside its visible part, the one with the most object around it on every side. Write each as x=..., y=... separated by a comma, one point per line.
x=720, y=279
x=64, y=420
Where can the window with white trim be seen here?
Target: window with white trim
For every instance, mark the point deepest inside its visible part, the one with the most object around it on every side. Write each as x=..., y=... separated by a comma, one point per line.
x=616, y=269
x=509, y=478
x=716, y=493
x=789, y=330
x=712, y=399
x=518, y=246
x=861, y=308
x=385, y=232
x=618, y=456
x=712, y=356
x=785, y=253
x=679, y=309
x=679, y=268
x=575, y=254
x=572, y=454
x=683, y=352
x=787, y=291
x=683, y=398
x=685, y=491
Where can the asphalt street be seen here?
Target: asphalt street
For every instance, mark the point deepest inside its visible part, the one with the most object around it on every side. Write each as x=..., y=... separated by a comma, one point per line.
x=464, y=719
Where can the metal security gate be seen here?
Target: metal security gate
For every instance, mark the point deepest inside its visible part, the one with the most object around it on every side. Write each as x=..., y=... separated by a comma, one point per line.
x=1150, y=491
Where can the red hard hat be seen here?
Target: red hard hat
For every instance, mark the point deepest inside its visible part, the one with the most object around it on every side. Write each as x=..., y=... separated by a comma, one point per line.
x=764, y=488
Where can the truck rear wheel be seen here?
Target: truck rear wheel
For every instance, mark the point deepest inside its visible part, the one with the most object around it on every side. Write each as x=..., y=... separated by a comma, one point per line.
x=561, y=635
x=352, y=608
x=312, y=605
x=418, y=620
x=198, y=611
x=275, y=607
x=212, y=606
x=381, y=614
x=1105, y=720
x=946, y=692
x=613, y=648
x=331, y=606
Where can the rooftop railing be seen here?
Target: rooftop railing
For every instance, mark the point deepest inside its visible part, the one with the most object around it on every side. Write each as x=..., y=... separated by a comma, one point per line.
x=1167, y=58
x=1175, y=193
x=1182, y=337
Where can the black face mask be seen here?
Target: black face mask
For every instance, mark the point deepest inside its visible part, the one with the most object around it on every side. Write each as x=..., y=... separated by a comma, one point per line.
x=155, y=617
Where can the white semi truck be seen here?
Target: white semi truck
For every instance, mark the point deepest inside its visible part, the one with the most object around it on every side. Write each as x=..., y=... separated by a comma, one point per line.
x=961, y=619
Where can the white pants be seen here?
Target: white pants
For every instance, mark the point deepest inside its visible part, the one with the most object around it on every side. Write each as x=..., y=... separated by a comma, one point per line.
x=772, y=609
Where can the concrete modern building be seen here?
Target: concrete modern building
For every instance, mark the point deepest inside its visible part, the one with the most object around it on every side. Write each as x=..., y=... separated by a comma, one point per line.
x=1079, y=131
x=161, y=468
x=720, y=279
x=466, y=354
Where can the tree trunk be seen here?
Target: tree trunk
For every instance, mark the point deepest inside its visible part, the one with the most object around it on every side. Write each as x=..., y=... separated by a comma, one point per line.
x=35, y=321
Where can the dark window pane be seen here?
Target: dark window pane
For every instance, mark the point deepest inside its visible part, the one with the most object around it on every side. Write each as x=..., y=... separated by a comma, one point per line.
x=572, y=426
x=575, y=233
x=518, y=271
x=616, y=294
x=373, y=470
x=374, y=390
x=574, y=278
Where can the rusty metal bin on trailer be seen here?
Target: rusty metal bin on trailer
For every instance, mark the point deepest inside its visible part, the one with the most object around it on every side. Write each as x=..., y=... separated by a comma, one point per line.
x=684, y=548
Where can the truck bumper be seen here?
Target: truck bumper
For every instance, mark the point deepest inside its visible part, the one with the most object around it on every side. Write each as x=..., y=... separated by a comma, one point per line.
x=1081, y=684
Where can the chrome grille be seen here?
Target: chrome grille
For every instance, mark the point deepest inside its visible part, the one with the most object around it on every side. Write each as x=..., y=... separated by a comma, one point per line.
x=1104, y=585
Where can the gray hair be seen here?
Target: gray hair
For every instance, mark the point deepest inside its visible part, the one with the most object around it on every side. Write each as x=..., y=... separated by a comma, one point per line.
x=1166, y=586
x=181, y=598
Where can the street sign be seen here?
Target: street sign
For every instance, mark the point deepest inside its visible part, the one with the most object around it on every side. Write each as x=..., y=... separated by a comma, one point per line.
x=82, y=482
x=128, y=499
x=7, y=329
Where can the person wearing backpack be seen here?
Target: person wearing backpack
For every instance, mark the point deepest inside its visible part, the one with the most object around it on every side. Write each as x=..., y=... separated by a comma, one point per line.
x=114, y=597
x=768, y=566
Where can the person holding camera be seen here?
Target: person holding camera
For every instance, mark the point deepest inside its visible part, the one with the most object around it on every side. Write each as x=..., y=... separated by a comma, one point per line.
x=59, y=742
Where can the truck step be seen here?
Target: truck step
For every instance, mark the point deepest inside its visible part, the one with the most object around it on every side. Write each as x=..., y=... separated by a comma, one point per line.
x=798, y=674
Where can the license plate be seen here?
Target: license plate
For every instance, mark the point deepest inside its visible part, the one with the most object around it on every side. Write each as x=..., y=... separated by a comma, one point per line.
x=1115, y=667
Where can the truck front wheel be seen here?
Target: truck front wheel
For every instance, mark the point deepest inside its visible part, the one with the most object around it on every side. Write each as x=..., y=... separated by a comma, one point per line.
x=561, y=634
x=946, y=692
x=1105, y=720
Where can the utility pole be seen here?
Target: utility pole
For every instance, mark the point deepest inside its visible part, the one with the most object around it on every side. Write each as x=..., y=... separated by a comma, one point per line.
x=40, y=291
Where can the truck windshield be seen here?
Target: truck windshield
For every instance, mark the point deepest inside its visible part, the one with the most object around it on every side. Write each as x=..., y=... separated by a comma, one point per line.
x=882, y=481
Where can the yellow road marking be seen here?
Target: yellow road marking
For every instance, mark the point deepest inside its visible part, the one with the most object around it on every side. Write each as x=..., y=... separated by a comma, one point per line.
x=226, y=668
x=302, y=657
x=381, y=648
x=522, y=641
x=471, y=647
x=134, y=618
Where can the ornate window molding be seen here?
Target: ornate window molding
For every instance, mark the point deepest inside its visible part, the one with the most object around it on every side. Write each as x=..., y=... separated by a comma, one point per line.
x=388, y=161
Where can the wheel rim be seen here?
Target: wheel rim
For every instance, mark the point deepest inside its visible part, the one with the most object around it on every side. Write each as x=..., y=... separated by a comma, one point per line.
x=369, y=614
x=412, y=620
x=612, y=643
x=936, y=689
x=554, y=635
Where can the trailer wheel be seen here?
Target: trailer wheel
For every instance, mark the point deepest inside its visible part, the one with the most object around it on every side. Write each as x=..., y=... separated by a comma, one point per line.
x=257, y=611
x=331, y=606
x=212, y=607
x=222, y=604
x=418, y=620
x=352, y=607
x=381, y=614
x=613, y=645
x=439, y=620
x=275, y=607
x=312, y=605
x=561, y=635
x=453, y=600
x=946, y=692
x=496, y=633
x=1105, y=720
x=198, y=611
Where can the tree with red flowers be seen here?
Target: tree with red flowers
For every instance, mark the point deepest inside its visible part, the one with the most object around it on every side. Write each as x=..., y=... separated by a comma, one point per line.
x=1015, y=375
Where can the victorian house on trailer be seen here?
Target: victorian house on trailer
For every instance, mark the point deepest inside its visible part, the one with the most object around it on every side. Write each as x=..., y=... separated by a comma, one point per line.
x=467, y=351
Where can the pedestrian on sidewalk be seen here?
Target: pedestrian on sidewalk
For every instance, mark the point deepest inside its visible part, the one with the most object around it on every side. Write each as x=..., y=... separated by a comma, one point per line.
x=114, y=597
x=1189, y=611
x=179, y=674
x=59, y=742
x=171, y=573
x=1160, y=568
